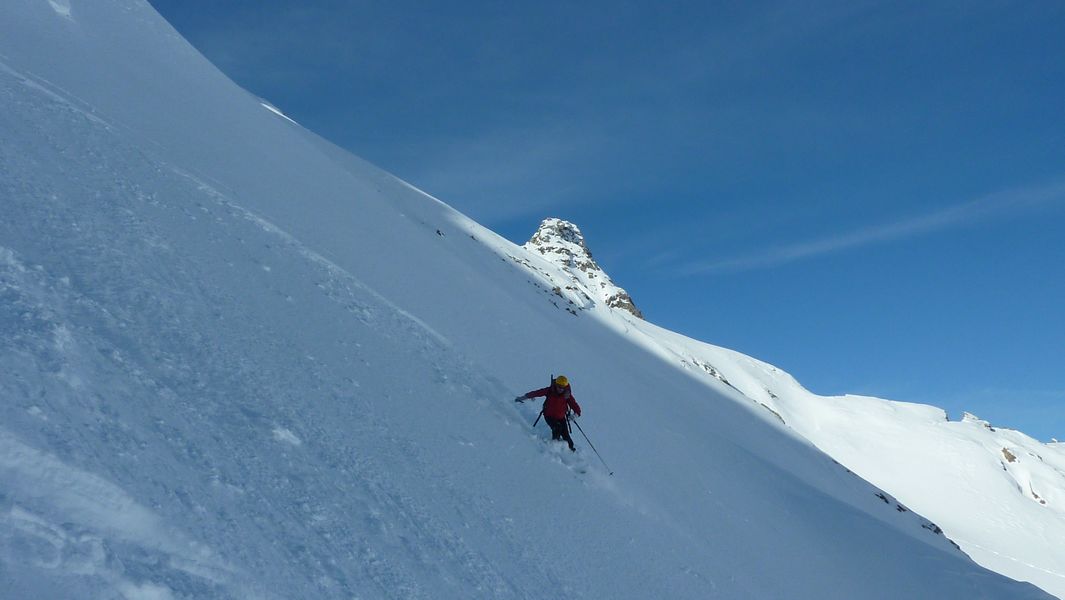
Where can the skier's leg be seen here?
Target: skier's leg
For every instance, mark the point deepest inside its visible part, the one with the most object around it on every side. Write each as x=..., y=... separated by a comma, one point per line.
x=569, y=440
x=558, y=428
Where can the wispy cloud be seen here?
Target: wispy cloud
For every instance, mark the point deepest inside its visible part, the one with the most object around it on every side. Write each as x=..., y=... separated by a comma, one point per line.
x=985, y=207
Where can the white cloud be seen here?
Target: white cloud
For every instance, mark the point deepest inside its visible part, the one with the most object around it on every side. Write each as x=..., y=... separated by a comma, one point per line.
x=985, y=207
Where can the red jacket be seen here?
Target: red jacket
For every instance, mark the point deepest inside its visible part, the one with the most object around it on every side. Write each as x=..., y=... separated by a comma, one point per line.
x=556, y=403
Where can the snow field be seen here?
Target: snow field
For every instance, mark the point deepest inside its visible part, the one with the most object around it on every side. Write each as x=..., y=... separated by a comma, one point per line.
x=246, y=364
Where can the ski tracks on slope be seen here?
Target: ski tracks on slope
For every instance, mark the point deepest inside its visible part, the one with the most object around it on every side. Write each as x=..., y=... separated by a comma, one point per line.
x=340, y=276
x=53, y=93
x=58, y=520
x=382, y=521
x=61, y=519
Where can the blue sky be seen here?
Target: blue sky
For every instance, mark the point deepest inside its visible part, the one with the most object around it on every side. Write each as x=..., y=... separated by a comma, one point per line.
x=870, y=195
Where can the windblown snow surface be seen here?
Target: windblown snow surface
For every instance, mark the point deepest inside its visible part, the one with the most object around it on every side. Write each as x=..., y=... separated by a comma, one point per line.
x=237, y=362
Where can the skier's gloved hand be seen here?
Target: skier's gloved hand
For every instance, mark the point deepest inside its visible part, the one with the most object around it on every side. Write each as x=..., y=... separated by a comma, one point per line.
x=520, y=399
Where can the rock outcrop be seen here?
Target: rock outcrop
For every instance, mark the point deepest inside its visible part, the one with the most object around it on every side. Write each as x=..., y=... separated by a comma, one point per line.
x=562, y=243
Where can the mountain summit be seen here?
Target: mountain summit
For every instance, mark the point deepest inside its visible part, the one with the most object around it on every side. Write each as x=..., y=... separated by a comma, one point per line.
x=562, y=243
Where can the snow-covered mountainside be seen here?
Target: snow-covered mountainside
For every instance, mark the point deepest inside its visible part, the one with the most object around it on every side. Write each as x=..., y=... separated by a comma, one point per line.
x=585, y=282
x=998, y=493
x=238, y=362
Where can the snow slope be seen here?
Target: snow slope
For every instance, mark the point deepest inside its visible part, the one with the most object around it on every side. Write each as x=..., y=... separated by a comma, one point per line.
x=241, y=363
x=998, y=493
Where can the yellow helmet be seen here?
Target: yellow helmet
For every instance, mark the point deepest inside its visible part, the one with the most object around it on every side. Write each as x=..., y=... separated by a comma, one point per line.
x=561, y=381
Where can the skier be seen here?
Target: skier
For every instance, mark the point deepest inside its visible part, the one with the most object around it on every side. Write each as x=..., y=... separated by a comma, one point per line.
x=559, y=401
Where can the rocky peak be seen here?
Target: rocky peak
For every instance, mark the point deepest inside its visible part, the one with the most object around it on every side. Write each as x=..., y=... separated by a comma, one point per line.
x=562, y=243
x=968, y=417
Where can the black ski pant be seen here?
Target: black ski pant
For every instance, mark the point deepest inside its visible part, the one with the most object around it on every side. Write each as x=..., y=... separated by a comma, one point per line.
x=560, y=430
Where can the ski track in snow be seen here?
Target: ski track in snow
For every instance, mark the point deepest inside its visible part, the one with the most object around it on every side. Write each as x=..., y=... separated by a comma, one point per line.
x=52, y=297
x=60, y=518
x=138, y=524
x=333, y=269
x=53, y=92
x=969, y=544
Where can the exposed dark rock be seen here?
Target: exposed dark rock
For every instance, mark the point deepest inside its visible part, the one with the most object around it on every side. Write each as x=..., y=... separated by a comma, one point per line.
x=562, y=243
x=1009, y=455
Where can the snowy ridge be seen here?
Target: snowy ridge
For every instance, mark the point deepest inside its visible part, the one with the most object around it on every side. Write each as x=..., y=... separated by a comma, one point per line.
x=998, y=493
x=240, y=362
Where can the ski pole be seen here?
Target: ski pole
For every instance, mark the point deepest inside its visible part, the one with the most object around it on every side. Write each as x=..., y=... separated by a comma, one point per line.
x=545, y=402
x=592, y=446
